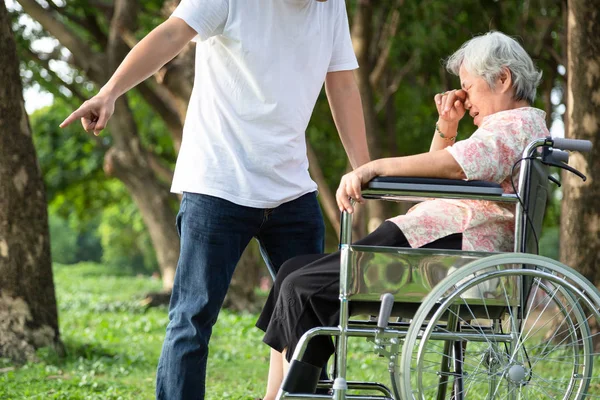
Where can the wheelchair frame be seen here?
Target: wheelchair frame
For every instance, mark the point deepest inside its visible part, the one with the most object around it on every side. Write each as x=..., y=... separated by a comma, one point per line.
x=439, y=317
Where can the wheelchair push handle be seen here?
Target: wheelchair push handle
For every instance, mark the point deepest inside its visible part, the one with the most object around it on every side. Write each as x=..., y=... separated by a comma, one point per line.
x=572, y=144
x=553, y=154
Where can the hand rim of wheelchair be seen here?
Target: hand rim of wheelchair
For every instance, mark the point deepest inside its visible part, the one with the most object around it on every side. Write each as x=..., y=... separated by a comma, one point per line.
x=577, y=285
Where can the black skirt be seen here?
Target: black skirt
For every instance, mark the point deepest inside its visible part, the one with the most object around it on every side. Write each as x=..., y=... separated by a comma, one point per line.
x=306, y=291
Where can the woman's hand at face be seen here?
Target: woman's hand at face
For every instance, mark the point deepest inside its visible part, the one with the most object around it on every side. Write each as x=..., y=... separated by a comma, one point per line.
x=351, y=186
x=451, y=105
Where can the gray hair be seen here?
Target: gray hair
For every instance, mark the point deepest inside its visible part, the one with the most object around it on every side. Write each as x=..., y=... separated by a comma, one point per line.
x=487, y=54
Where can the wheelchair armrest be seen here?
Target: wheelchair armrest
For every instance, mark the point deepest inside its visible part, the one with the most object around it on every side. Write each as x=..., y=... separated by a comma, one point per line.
x=416, y=189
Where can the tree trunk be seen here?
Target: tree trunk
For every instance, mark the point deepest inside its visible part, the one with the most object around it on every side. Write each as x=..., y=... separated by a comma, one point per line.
x=362, y=40
x=580, y=219
x=129, y=162
x=154, y=202
x=167, y=93
x=28, y=314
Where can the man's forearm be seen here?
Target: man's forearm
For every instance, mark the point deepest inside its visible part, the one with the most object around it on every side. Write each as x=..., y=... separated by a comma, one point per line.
x=346, y=108
x=149, y=55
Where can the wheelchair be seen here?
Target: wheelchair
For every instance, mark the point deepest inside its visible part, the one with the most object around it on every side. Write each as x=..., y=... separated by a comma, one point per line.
x=467, y=324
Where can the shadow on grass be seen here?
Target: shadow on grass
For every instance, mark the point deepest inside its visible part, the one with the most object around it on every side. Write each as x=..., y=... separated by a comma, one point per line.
x=76, y=351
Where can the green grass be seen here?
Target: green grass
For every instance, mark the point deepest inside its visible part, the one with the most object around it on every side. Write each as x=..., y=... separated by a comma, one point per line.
x=113, y=345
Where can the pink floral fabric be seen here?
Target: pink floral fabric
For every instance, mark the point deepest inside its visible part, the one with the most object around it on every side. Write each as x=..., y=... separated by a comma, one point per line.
x=487, y=155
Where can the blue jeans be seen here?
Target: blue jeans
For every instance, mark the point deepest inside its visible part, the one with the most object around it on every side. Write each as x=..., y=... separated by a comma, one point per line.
x=214, y=233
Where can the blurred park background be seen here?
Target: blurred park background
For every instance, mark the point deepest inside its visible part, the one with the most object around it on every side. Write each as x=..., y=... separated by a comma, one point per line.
x=88, y=222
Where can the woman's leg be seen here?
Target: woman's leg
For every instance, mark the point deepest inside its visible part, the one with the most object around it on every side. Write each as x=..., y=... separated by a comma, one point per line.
x=278, y=368
x=276, y=373
x=278, y=365
x=308, y=297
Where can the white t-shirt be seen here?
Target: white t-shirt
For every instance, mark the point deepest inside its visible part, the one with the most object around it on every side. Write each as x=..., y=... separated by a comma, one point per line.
x=260, y=65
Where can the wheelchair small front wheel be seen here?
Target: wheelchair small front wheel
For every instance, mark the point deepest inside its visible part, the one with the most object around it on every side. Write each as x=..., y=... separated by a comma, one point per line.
x=504, y=327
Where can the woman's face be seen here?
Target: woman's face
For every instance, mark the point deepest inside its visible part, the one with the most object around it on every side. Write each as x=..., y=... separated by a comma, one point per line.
x=481, y=100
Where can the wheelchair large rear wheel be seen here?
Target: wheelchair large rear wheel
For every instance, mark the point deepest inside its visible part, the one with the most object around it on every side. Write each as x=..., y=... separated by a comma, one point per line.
x=510, y=326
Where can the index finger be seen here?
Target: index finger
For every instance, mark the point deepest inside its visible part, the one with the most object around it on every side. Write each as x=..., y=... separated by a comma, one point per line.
x=461, y=94
x=75, y=115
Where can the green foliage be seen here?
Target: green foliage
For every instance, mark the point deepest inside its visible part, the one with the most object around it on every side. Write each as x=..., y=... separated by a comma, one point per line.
x=549, y=242
x=152, y=130
x=113, y=344
x=124, y=238
x=92, y=216
x=550, y=239
x=428, y=32
x=63, y=240
x=70, y=161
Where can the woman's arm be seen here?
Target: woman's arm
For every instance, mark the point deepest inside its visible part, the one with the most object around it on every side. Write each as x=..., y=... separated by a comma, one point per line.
x=451, y=108
x=444, y=135
x=436, y=164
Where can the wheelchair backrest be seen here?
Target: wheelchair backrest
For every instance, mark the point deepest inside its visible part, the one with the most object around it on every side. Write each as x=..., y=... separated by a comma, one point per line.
x=534, y=205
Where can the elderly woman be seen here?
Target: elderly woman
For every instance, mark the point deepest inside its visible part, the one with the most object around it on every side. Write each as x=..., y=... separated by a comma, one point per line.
x=498, y=85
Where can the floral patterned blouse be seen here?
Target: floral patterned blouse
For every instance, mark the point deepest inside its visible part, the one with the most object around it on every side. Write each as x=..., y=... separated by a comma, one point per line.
x=487, y=155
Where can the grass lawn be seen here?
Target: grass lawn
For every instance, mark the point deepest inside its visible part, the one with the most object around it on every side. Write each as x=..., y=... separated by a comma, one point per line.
x=113, y=345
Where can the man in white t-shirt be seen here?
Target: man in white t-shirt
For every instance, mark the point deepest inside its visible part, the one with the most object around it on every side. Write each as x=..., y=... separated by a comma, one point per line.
x=242, y=166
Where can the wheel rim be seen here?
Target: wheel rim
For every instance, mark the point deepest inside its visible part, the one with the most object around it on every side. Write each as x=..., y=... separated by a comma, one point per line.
x=532, y=364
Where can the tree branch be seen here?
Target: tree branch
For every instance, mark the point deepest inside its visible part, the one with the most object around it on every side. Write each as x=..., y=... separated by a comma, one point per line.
x=119, y=44
x=46, y=65
x=88, y=23
x=398, y=77
x=124, y=16
x=388, y=34
x=361, y=34
x=327, y=198
x=181, y=85
x=84, y=57
x=159, y=99
x=161, y=171
x=91, y=24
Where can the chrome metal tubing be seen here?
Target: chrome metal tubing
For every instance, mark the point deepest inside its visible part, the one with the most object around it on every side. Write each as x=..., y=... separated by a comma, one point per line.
x=370, y=332
x=340, y=387
x=346, y=228
x=303, y=342
x=360, y=385
x=324, y=396
x=370, y=386
x=417, y=196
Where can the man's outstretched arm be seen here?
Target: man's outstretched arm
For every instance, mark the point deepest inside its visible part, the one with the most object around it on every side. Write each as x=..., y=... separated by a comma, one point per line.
x=346, y=107
x=160, y=46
